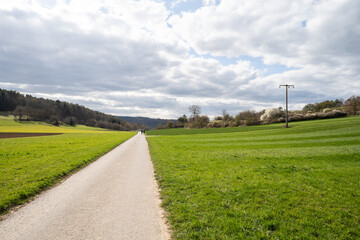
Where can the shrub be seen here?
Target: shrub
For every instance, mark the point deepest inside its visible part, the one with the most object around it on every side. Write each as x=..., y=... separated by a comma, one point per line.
x=272, y=115
x=218, y=124
x=54, y=120
x=70, y=121
x=247, y=118
x=198, y=122
x=352, y=105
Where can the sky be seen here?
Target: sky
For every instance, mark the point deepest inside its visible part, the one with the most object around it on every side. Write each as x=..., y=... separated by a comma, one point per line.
x=155, y=58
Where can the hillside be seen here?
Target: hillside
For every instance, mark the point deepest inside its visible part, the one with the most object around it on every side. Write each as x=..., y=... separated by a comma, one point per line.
x=150, y=123
x=29, y=108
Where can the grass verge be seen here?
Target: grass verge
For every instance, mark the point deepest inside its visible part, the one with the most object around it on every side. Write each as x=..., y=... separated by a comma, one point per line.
x=263, y=183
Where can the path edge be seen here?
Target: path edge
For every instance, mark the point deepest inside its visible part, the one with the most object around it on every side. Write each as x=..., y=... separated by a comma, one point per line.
x=163, y=222
x=12, y=210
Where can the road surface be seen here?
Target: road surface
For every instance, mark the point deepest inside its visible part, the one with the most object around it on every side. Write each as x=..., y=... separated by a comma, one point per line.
x=115, y=197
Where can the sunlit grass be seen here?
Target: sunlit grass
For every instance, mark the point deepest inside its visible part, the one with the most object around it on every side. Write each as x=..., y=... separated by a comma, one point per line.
x=7, y=124
x=263, y=183
x=29, y=165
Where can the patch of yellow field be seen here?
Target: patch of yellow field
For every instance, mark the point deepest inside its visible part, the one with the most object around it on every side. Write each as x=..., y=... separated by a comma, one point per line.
x=8, y=124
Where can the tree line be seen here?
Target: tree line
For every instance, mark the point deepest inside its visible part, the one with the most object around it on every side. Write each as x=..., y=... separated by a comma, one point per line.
x=27, y=107
x=311, y=111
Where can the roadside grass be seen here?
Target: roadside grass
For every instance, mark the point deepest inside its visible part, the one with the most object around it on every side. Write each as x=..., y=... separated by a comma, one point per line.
x=32, y=164
x=297, y=183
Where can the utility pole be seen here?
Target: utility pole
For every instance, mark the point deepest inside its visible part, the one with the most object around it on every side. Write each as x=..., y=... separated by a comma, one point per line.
x=286, y=113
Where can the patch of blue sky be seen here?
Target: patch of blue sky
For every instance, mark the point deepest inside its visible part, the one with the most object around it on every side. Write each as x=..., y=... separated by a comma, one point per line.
x=304, y=23
x=276, y=68
x=48, y=3
x=256, y=62
x=104, y=10
x=179, y=6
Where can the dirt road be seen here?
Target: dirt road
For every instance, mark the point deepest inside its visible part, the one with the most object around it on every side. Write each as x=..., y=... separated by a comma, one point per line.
x=113, y=198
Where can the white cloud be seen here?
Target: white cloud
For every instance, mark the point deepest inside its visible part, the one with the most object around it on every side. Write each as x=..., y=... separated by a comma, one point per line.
x=133, y=57
x=275, y=31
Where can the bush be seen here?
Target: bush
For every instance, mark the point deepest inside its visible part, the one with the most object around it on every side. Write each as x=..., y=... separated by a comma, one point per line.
x=317, y=107
x=198, y=122
x=272, y=115
x=54, y=120
x=169, y=124
x=318, y=115
x=218, y=124
x=70, y=121
x=247, y=118
x=352, y=105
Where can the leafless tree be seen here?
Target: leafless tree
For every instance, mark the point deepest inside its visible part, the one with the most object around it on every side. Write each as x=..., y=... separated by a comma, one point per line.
x=195, y=110
x=352, y=105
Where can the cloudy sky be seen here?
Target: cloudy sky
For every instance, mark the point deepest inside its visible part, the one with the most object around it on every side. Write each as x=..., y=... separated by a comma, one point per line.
x=154, y=58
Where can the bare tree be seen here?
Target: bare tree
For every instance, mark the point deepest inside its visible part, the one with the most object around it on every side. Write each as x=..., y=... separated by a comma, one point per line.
x=195, y=110
x=352, y=105
x=226, y=116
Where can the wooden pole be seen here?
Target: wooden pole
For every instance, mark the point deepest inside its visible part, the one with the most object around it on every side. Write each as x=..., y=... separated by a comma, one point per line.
x=286, y=111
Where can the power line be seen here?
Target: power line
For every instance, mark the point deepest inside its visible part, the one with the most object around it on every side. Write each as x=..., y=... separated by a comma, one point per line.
x=286, y=113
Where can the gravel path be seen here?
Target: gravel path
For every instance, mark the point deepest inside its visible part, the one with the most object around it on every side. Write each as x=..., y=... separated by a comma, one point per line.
x=115, y=197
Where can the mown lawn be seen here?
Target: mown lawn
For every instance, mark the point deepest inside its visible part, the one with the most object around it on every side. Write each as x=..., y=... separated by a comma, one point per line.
x=263, y=183
x=29, y=165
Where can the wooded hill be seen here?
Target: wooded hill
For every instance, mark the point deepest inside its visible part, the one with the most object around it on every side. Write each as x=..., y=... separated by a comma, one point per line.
x=26, y=107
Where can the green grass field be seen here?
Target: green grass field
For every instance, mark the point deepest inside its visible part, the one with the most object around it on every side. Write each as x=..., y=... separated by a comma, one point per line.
x=263, y=182
x=7, y=124
x=29, y=165
x=184, y=131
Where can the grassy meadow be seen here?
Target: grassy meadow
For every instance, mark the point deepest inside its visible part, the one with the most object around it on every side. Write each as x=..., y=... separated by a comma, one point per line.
x=262, y=182
x=186, y=131
x=8, y=124
x=30, y=164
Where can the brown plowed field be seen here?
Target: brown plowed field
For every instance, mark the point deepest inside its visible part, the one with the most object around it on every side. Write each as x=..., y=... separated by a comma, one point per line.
x=17, y=135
